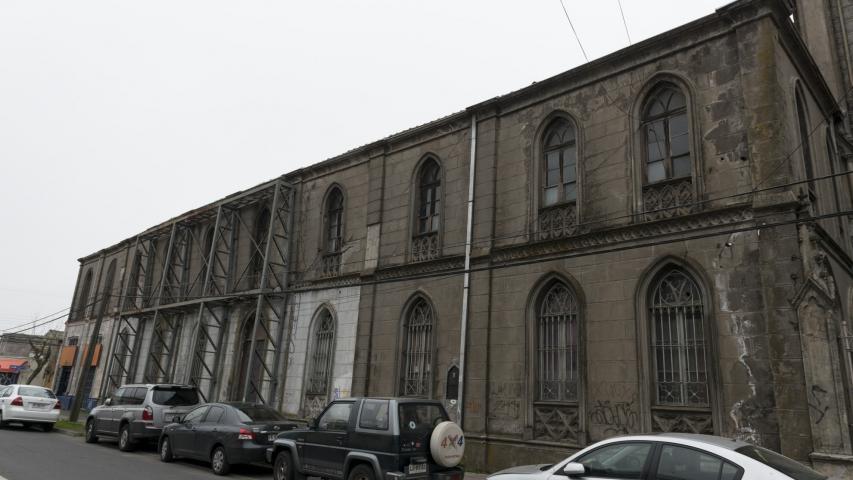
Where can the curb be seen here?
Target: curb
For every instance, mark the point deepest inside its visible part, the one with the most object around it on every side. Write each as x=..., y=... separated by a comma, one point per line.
x=70, y=433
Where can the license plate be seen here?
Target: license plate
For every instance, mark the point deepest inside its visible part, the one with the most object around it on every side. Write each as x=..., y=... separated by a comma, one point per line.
x=418, y=468
x=272, y=436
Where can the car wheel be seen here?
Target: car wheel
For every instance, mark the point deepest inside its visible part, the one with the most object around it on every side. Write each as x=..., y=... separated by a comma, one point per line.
x=166, y=450
x=361, y=472
x=90, y=431
x=283, y=467
x=219, y=462
x=47, y=427
x=125, y=443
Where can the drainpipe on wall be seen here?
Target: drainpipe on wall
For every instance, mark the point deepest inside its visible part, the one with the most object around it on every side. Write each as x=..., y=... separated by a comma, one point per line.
x=466, y=282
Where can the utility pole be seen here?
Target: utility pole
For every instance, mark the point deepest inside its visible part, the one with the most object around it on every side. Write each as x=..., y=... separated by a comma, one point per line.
x=90, y=349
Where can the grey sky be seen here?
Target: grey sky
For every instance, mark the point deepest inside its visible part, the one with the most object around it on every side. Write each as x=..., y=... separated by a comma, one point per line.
x=116, y=115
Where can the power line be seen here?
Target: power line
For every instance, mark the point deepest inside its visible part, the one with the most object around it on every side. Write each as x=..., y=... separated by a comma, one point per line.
x=574, y=31
x=35, y=320
x=624, y=22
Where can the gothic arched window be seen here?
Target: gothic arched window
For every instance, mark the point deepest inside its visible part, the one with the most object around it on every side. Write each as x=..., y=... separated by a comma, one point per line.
x=428, y=197
x=334, y=222
x=678, y=340
x=417, y=350
x=559, y=163
x=557, y=355
x=322, y=349
x=83, y=299
x=667, y=135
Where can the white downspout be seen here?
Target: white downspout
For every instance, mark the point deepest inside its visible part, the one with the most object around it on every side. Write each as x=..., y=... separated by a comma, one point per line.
x=466, y=282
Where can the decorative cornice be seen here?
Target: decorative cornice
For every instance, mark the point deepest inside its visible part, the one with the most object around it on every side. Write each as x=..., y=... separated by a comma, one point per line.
x=438, y=265
x=638, y=231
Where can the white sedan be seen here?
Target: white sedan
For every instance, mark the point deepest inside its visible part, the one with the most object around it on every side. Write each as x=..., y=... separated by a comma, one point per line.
x=29, y=405
x=670, y=456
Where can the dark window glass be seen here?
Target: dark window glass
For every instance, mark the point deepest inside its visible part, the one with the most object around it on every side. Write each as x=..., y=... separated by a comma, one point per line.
x=429, y=193
x=258, y=413
x=417, y=352
x=805, y=135
x=214, y=415
x=557, y=345
x=336, y=417
x=196, y=415
x=781, y=463
x=420, y=417
x=175, y=396
x=35, y=392
x=118, y=397
x=620, y=460
x=560, y=163
x=667, y=135
x=374, y=415
x=334, y=221
x=679, y=463
x=137, y=395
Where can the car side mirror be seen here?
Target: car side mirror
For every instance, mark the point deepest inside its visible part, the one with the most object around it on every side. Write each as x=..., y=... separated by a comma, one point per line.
x=574, y=469
x=108, y=402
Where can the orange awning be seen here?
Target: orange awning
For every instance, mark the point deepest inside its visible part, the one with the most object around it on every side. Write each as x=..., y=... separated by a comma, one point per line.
x=66, y=358
x=12, y=365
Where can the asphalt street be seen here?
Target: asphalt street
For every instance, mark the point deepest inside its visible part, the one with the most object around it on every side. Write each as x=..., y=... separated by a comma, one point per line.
x=27, y=454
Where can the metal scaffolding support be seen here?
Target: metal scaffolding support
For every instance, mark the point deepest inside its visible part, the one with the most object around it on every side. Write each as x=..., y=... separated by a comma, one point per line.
x=208, y=293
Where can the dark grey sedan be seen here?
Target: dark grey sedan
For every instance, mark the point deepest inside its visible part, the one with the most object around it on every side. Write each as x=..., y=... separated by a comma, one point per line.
x=224, y=434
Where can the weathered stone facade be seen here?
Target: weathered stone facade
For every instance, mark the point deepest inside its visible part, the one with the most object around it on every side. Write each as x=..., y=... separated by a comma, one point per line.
x=655, y=245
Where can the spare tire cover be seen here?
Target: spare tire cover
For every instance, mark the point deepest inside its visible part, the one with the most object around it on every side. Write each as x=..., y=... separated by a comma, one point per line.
x=447, y=444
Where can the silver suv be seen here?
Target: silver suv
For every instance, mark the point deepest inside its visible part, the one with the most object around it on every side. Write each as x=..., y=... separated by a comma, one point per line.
x=138, y=413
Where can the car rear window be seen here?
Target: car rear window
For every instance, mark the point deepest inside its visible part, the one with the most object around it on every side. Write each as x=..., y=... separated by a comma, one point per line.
x=781, y=463
x=35, y=392
x=374, y=415
x=175, y=396
x=258, y=414
x=420, y=416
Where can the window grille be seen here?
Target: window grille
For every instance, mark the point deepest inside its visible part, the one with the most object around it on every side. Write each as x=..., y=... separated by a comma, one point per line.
x=557, y=345
x=678, y=341
x=417, y=350
x=320, y=370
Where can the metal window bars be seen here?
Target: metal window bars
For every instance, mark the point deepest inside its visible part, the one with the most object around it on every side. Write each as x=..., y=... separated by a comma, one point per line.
x=557, y=345
x=320, y=371
x=678, y=341
x=417, y=352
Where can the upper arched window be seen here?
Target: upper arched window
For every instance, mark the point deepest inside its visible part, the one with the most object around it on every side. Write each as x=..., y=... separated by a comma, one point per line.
x=259, y=245
x=804, y=137
x=83, y=299
x=417, y=350
x=108, y=294
x=559, y=163
x=557, y=356
x=334, y=220
x=428, y=197
x=322, y=349
x=678, y=340
x=666, y=135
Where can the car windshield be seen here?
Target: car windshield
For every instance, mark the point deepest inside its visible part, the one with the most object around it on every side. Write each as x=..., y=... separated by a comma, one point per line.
x=417, y=416
x=175, y=396
x=258, y=413
x=35, y=392
x=789, y=467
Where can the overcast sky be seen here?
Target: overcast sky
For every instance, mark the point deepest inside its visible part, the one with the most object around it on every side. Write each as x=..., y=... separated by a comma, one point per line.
x=117, y=115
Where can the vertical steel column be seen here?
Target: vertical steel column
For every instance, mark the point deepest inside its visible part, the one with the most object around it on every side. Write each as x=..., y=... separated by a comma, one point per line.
x=160, y=323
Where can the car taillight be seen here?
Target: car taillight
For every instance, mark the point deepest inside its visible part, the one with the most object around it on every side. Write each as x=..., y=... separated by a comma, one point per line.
x=148, y=414
x=17, y=402
x=245, y=434
x=57, y=406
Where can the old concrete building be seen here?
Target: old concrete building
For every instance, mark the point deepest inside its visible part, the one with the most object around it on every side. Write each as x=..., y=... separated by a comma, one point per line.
x=658, y=240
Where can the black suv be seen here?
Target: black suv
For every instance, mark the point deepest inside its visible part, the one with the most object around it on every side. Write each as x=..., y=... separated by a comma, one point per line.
x=372, y=439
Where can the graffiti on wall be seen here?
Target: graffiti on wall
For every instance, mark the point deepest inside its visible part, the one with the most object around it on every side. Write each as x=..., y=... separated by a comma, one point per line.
x=616, y=417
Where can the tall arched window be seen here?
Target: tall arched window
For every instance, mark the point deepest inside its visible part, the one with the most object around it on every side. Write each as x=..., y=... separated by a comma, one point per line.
x=334, y=221
x=678, y=340
x=259, y=245
x=322, y=349
x=559, y=163
x=249, y=367
x=428, y=197
x=805, y=144
x=667, y=135
x=83, y=298
x=108, y=293
x=557, y=345
x=417, y=350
